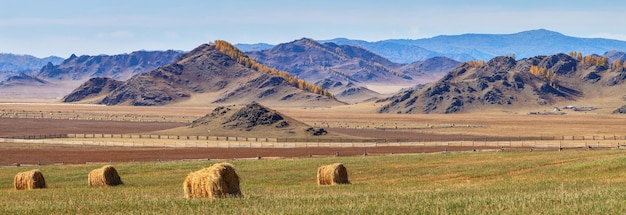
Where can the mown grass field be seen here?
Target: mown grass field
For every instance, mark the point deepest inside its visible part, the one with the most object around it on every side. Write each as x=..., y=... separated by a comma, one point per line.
x=568, y=182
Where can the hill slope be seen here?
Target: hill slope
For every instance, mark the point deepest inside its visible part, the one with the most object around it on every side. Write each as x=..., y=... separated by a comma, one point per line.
x=503, y=83
x=313, y=61
x=348, y=65
x=249, y=120
x=120, y=67
x=55, y=81
x=205, y=76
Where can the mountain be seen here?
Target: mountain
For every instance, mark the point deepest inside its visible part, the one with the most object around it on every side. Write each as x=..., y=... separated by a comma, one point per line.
x=467, y=47
x=55, y=81
x=351, y=67
x=17, y=65
x=92, y=88
x=23, y=79
x=504, y=83
x=22, y=63
x=313, y=61
x=615, y=55
x=430, y=69
x=206, y=75
x=253, y=47
x=249, y=120
x=119, y=67
x=523, y=44
x=348, y=92
x=396, y=52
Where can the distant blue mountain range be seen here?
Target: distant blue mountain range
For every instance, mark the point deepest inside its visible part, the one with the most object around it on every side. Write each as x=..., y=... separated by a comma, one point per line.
x=25, y=63
x=477, y=46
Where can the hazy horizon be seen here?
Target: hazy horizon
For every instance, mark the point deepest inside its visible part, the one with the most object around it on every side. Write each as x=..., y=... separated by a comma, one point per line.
x=61, y=28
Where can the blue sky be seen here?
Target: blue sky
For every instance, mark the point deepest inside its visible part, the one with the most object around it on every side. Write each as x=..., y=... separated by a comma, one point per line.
x=45, y=27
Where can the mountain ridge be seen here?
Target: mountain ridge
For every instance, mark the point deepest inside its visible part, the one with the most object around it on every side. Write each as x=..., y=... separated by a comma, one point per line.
x=21, y=63
x=475, y=46
x=205, y=75
x=507, y=84
x=348, y=69
x=57, y=80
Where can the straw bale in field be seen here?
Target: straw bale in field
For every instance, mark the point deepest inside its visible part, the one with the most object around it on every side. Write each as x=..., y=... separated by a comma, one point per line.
x=332, y=174
x=218, y=181
x=106, y=175
x=29, y=180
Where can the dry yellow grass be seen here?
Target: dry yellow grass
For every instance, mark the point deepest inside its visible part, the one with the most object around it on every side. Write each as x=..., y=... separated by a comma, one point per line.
x=218, y=181
x=488, y=122
x=106, y=175
x=332, y=174
x=482, y=124
x=29, y=180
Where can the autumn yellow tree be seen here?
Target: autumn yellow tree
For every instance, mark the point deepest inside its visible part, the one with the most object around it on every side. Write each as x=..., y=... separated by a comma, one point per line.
x=592, y=60
x=544, y=74
x=475, y=63
x=579, y=56
x=246, y=61
x=572, y=54
x=617, y=64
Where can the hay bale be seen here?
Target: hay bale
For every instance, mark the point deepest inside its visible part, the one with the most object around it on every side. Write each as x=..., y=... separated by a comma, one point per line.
x=218, y=181
x=29, y=180
x=332, y=174
x=106, y=175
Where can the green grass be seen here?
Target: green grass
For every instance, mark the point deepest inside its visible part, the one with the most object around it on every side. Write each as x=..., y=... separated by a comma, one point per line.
x=569, y=182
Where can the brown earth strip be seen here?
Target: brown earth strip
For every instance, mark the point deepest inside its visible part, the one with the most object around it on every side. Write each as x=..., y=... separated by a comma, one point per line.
x=22, y=126
x=14, y=153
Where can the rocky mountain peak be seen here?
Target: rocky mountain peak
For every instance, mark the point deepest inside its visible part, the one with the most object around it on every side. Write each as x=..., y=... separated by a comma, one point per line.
x=503, y=81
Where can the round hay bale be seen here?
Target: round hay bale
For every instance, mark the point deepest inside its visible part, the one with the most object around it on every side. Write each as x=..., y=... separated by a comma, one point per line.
x=106, y=175
x=29, y=180
x=332, y=174
x=218, y=181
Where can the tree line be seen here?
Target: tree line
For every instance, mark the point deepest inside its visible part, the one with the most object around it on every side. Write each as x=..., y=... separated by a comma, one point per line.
x=544, y=74
x=549, y=76
x=590, y=60
x=247, y=62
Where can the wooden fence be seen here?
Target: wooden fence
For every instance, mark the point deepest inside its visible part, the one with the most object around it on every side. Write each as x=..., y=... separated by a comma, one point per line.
x=322, y=140
x=245, y=142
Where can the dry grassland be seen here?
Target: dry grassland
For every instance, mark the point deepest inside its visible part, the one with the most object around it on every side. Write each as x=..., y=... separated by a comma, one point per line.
x=496, y=123
x=363, y=117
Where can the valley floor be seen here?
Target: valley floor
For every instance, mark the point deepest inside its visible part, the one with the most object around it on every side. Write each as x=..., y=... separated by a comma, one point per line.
x=454, y=132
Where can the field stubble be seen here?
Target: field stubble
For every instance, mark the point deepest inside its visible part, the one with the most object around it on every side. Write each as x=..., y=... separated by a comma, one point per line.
x=587, y=182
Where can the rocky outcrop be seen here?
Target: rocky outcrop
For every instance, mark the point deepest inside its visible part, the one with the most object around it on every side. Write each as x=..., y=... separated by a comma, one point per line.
x=505, y=82
x=621, y=110
x=91, y=88
x=246, y=118
x=253, y=115
x=207, y=70
x=119, y=67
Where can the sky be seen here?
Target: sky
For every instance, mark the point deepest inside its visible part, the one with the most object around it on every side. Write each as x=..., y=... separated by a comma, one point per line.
x=63, y=27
